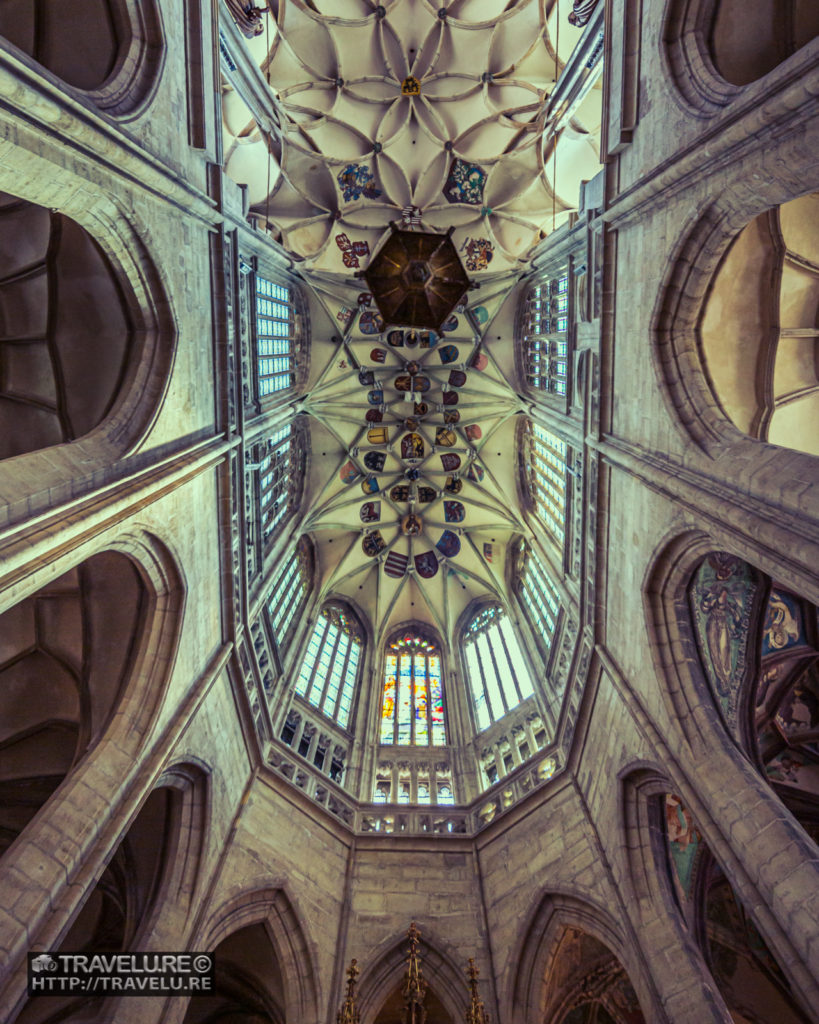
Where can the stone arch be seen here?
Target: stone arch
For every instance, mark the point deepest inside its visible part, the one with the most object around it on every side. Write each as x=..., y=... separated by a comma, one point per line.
x=111, y=283
x=713, y=49
x=271, y=907
x=554, y=917
x=388, y=964
x=696, y=404
x=111, y=51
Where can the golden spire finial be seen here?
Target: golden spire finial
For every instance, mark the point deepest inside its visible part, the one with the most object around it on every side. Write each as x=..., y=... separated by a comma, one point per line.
x=348, y=1014
x=476, y=1014
x=414, y=985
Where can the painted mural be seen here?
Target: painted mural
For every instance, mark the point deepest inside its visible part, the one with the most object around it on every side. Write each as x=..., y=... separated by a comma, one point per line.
x=721, y=596
x=356, y=182
x=684, y=843
x=465, y=183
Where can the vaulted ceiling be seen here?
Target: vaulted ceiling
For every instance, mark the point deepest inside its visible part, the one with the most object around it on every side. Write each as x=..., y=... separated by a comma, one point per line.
x=428, y=117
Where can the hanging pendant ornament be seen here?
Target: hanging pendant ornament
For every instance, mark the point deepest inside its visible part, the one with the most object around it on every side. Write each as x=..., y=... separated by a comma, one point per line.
x=348, y=1014
x=476, y=1014
x=415, y=987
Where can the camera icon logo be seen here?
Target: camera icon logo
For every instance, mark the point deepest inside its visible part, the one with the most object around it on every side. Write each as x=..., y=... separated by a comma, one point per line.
x=43, y=962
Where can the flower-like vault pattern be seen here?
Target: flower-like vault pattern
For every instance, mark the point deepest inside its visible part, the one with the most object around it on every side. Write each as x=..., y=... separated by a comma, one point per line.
x=420, y=105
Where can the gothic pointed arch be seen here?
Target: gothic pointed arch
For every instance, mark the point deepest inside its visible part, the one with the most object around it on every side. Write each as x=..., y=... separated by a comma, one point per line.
x=87, y=340
x=111, y=51
x=568, y=963
x=713, y=49
x=264, y=914
x=380, y=986
x=737, y=323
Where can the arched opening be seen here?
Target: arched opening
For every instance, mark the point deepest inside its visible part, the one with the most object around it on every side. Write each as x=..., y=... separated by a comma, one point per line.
x=110, y=49
x=759, y=650
x=759, y=328
x=66, y=655
x=248, y=982
x=746, y=41
x=393, y=1008
x=746, y=973
x=67, y=338
x=117, y=913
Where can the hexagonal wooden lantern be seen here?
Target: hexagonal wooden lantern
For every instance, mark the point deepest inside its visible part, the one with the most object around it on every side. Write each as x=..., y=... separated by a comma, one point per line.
x=416, y=278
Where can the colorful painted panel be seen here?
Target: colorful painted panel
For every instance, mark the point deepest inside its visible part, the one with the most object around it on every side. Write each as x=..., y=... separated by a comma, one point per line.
x=475, y=473
x=378, y=435
x=479, y=361
x=378, y=355
x=388, y=705
x=372, y=544
x=684, y=844
x=375, y=397
x=412, y=447
x=450, y=462
x=453, y=485
x=400, y=493
x=451, y=416
x=477, y=253
x=449, y=545
x=487, y=552
x=457, y=378
x=406, y=383
x=370, y=485
x=427, y=494
x=445, y=437
x=436, y=701
x=374, y=416
x=426, y=564
x=481, y=314
x=454, y=512
x=420, y=408
x=448, y=354
x=721, y=597
x=420, y=699
x=348, y=472
x=396, y=339
x=450, y=397
x=783, y=626
x=375, y=461
x=366, y=377
x=356, y=181
x=352, y=252
x=473, y=432
x=450, y=324
x=429, y=339
x=465, y=183
x=405, y=699
x=395, y=564
x=370, y=511
x=371, y=323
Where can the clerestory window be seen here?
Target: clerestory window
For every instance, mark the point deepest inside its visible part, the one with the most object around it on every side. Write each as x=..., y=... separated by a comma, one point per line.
x=546, y=459
x=412, y=709
x=539, y=596
x=275, y=336
x=545, y=334
x=499, y=677
x=288, y=594
x=329, y=669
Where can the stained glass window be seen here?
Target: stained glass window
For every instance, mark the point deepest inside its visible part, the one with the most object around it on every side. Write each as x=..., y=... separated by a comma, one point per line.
x=329, y=668
x=545, y=326
x=289, y=592
x=412, y=711
x=547, y=479
x=498, y=674
x=275, y=336
x=539, y=596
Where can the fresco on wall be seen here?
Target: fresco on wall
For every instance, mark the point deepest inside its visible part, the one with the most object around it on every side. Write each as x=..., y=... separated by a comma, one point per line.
x=684, y=843
x=782, y=627
x=721, y=597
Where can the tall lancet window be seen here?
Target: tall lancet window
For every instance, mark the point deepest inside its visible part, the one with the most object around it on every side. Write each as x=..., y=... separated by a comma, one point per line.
x=545, y=333
x=329, y=670
x=498, y=674
x=288, y=594
x=546, y=466
x=539, y=596
x=412, y=710
x=275, y=336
